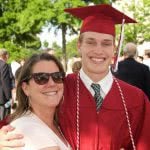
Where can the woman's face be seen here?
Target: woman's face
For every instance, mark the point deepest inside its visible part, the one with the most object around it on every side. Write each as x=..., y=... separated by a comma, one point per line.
x=46, y=95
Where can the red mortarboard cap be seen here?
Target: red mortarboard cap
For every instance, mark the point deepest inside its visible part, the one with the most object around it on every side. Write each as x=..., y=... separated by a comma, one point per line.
x=99, y=18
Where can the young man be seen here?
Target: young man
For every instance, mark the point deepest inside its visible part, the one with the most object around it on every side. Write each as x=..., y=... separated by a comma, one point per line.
x=99, y=111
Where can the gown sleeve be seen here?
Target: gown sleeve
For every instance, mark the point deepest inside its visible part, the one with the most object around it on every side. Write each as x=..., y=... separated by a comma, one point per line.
x=143, y=142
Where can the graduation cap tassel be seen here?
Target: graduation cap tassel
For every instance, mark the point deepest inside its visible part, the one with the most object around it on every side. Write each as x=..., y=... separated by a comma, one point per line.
x=119, y=47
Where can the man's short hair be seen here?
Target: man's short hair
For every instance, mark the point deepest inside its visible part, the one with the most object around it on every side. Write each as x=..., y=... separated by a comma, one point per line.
x=130, y=50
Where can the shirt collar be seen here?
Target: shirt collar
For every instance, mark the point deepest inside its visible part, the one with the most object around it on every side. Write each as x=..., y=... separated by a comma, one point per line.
x=86, y=80
x=107, y=80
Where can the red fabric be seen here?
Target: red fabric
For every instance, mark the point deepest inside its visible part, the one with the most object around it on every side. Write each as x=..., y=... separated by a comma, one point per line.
x=97, y=23
x=99, y=18
x=107, y=129
x=3, y=122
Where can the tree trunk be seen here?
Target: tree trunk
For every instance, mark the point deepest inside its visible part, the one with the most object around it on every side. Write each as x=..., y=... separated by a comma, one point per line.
x=64, y=28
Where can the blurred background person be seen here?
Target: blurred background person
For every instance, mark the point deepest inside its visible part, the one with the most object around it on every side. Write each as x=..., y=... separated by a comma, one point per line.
x=140, y=59
x=146, y=60
x=22, y=61
x=14, y=105
x=5, y=85
x=14, y=66
x=71, y=62
x=133, y=72
x=76, y=66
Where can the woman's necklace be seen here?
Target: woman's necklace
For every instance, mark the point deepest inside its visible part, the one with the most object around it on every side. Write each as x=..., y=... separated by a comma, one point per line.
x=78, y=113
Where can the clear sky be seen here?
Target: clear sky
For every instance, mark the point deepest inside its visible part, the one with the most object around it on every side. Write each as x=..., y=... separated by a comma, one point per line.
x=50, y=37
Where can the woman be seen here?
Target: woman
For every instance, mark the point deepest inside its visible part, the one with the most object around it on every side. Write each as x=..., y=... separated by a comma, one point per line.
x=39, y=91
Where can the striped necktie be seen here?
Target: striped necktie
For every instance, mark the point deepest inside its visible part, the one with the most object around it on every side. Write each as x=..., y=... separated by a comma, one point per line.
x=98, y=98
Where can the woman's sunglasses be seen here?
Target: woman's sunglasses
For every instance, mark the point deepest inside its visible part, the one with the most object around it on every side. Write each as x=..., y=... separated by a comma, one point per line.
x=42, y=78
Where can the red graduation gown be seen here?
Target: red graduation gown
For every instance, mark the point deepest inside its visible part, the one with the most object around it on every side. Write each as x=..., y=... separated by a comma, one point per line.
x=4, y=122
x=108, y=129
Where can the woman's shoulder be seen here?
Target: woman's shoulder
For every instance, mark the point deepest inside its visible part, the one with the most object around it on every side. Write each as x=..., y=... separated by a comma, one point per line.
x=27, y=118
x=35, y=133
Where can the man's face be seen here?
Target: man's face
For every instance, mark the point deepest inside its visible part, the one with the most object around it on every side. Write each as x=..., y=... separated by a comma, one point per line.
x=96, y=50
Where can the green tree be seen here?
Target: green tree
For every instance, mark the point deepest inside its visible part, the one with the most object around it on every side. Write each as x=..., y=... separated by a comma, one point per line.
x=64, y=21
x=58, y=50
x=45, y=44
x=100, y=1
x=72, y=48
x=138, y=32
x=21, y=21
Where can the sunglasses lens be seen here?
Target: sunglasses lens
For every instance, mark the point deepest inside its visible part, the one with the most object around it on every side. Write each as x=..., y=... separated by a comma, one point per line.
x=41, y=78
x=58, y=77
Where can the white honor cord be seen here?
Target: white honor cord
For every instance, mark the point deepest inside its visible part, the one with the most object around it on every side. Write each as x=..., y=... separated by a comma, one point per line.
x=127, y=114
x=120, y=45
x=78, y=114
x=125, y=108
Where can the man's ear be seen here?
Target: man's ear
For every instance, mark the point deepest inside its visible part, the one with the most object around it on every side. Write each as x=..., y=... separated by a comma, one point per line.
x=25, y=88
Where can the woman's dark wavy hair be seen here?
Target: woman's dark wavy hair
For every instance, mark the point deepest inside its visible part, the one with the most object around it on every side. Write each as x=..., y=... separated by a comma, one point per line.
x=26, y=71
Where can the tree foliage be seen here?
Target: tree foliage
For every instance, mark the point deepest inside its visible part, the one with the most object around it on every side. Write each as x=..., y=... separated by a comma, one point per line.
x=20, y=22
x=100, y=1
x=138, y=32
x=72, y=48
x=64, y=21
